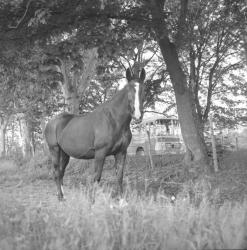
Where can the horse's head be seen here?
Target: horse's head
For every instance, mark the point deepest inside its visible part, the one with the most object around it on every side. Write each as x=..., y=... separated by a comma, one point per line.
x=136, y=93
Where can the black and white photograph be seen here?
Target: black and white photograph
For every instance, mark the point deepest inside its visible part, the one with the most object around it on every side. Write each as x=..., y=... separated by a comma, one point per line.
x=123, y=124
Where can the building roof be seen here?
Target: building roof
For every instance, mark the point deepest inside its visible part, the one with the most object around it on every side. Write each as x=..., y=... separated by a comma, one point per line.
x=158, y=116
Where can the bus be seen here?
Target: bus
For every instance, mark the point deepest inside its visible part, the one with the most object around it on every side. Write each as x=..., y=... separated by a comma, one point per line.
x=157, y=135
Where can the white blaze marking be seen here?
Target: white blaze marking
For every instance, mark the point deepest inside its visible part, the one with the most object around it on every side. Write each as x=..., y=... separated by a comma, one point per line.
x=137, y=113
x=62, y=189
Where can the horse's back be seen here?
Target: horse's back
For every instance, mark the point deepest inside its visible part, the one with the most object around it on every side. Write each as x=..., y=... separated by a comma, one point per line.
x=55, y=127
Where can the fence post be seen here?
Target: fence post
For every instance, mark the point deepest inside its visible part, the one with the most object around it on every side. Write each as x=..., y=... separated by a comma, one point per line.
x=149, y=149
x=236, y=141
x=215, y=160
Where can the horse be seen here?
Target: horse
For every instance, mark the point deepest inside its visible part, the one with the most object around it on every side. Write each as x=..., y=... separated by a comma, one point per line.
x=96, y=135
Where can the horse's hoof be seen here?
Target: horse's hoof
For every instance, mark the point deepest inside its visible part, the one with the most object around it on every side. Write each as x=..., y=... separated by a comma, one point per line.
x=61, y=199
x=123, y=203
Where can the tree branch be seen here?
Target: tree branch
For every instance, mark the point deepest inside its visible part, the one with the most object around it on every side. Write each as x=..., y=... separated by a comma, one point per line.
x=22, y=18
x=181, y=21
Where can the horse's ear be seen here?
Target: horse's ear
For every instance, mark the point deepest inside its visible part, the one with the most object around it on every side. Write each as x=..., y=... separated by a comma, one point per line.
x=128, y=74
x=142, y=75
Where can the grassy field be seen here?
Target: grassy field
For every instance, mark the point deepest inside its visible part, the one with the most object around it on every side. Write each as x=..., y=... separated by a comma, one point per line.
x=209, y=213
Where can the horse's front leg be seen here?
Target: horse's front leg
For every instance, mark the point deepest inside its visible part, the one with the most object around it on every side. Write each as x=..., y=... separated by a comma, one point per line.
x=120, y=165
x=98, y=165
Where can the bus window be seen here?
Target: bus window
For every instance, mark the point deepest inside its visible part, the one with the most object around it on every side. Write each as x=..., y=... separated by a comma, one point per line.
x=165, y=135
x=167, y=124
x=164, y=126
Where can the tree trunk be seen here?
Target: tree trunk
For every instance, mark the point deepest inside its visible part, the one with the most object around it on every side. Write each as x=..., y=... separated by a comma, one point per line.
x=71, y=98
x=3, y=127
x=2, y=141
x=196, y=148
x=44, y=144
x=26, y=129
x=69, y=87
x=75, y=83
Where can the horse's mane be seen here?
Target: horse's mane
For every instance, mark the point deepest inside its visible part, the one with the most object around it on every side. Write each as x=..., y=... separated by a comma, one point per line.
x=116, y=95
x=99, y=107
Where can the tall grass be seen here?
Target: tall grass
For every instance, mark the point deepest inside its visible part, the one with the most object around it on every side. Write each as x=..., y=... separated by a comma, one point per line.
x=91, y=218
x=134, y=223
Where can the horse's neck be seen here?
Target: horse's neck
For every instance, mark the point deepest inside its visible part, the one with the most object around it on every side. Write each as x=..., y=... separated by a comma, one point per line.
x=119, y=106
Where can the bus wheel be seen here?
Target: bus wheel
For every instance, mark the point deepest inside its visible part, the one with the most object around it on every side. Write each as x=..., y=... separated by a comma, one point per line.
x=140, y=151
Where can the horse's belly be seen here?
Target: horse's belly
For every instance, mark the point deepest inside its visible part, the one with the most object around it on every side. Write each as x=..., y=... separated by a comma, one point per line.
x=88, y=155
x=77, y=151
x=77, y=145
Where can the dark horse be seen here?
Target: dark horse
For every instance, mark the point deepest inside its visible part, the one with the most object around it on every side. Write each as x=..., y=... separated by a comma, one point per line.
x=103, y=132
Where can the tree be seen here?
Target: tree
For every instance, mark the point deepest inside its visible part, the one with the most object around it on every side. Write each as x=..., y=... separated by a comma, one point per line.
x=6, y=102
x=209, y=54
x=237, y=11
x=196, y=148
x=110, y=26
x=75, y=68
x=25, y=96
x=232, y=108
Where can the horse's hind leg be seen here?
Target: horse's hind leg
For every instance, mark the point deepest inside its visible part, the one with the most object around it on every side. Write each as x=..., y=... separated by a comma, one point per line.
x=55, y=154
x=60, y=161
x=64, y=160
